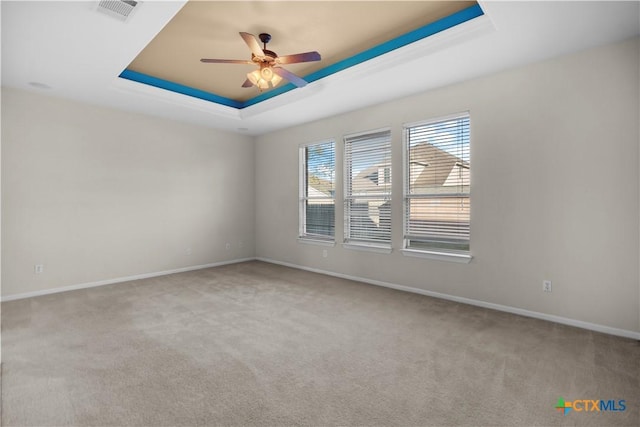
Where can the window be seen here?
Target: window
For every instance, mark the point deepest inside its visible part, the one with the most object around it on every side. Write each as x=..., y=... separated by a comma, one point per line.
x=367, y=204
x=437, y=183
x=317, y=191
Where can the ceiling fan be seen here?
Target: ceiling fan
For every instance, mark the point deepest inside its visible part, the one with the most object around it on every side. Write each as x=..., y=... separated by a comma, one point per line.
x=270, y=73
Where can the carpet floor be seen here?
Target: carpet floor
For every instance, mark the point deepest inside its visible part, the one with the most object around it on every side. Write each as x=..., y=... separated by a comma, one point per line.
x=261, y=344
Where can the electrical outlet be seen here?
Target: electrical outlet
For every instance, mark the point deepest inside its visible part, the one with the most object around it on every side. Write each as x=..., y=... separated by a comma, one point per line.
x=546, y=285
x=227, y=246
x=38, y=268
x=324, y=253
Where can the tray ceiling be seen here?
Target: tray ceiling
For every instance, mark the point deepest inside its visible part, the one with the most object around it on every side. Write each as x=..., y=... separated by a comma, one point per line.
x=338, y=30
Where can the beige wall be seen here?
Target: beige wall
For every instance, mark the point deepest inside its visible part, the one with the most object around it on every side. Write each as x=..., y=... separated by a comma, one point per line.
x=96, y=194
x=554, y=189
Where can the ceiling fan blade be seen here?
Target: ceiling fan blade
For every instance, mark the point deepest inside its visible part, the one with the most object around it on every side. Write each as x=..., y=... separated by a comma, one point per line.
x=247, y=83
x=251, y=41
x=226, y=61
x=285, y=74
x=299, y=57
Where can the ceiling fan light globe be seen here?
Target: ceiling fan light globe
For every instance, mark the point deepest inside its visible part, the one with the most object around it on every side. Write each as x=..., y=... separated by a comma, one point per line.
x=275, y=80
x=254, y=77
x=267, y=73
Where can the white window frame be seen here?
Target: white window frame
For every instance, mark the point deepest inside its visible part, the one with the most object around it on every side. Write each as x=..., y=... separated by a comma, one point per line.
x=303, y=236
x=441, y=254
x=379, y=246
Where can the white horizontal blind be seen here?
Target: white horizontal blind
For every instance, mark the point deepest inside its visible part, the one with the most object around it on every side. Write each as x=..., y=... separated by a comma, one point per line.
x=437, y=173
x=317, y=191
x=367, y=204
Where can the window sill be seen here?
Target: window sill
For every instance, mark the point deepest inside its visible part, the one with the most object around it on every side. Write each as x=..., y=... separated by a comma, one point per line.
x=311, y=241
x=439, y=256
x=381, y=249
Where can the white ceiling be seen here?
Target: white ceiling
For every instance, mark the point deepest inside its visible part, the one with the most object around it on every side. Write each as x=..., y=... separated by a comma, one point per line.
x=79, y=53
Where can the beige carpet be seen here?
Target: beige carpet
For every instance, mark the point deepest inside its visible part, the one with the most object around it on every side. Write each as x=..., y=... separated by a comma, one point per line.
x=260, y=344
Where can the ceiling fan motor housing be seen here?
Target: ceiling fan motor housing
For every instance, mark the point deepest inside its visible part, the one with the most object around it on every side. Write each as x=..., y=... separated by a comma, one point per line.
x=269, y=57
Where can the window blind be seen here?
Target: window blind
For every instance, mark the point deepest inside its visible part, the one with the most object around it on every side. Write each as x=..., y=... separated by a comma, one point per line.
x=317, y=191
x=437, y=173
x=367, y=204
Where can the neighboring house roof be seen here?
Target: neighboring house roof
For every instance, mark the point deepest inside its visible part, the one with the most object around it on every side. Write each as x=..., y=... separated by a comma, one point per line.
x=319, y=187
x=373, y=179
x=315, y=193
x=425, y=155
x=451, y=171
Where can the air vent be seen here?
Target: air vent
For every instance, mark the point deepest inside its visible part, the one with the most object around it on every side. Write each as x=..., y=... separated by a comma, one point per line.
x=120, y=9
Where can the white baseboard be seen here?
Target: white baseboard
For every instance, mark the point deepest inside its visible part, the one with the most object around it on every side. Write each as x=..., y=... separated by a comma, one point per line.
x=514, y=310
x=508, y=309
x=119, y=280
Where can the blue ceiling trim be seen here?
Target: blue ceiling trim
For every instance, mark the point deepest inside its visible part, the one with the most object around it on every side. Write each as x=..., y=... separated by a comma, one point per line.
x=386, y=47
